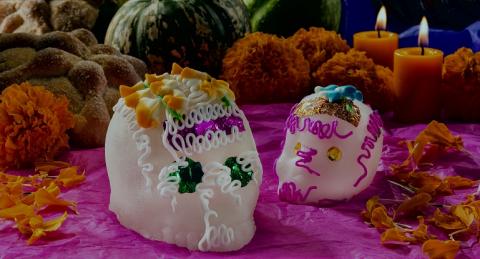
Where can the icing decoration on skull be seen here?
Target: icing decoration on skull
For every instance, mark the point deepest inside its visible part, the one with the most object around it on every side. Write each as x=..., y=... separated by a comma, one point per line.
x=182, y=162
x=332, y=146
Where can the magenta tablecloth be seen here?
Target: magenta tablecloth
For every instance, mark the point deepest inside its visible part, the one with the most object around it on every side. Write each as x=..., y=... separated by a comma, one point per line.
x=283, y=230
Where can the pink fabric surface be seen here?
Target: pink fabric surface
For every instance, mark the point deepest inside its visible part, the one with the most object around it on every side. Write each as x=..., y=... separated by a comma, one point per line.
x=283, y=230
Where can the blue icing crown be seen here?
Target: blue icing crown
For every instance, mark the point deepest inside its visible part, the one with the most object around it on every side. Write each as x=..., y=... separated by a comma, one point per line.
x=336, y=93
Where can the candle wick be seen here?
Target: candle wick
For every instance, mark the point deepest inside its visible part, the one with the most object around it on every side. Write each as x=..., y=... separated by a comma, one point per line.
x=378, y=33
x=423, y=49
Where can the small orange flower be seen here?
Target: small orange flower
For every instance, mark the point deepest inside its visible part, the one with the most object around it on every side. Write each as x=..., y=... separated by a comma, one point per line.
x=19, y=210
x=33, y=125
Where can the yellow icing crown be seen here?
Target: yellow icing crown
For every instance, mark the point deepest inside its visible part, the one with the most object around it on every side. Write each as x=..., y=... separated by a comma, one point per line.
x=171, y=92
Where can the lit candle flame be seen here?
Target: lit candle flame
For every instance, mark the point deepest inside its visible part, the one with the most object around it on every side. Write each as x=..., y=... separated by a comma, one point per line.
x=423, y=33
x=381, y=19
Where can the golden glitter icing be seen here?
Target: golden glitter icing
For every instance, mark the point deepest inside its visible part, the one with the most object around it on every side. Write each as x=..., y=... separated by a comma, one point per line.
x=344, y=109
x=334, y=154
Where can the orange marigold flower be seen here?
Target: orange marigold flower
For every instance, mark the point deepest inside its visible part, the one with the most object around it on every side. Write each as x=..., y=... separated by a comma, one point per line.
x=461, y=85
x=318, y=45
x=263, y=68
x=355, y=68
x=33, y=125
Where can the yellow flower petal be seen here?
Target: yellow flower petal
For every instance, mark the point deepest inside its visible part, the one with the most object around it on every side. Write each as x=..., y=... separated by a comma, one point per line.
x=465, y=213
x=16, y=211
x=48, y=166
x=6, y=201
x=437, y=249
x=447, y=221
x=44, y=198
x=414, y=203
x=380, y=218
x=394, y=235
x=39, y=228
x=421, y=232
x=372, y=203
x=69, y=177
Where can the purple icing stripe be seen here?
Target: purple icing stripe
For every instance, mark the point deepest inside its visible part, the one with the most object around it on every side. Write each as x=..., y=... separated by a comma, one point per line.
x=374, y=127
x=316, y=127
x=289, y=192
x=224, y=124
x=305, y=158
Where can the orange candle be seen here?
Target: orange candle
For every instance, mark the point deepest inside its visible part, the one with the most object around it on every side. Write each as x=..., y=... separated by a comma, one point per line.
x=379, y=45
x=417, y=74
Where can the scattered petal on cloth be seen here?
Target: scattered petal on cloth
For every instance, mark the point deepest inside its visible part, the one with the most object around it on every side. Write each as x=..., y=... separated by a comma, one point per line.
x=283, y=230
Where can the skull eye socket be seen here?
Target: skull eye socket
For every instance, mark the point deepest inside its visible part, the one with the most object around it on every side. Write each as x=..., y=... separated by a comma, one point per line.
x=334, y=154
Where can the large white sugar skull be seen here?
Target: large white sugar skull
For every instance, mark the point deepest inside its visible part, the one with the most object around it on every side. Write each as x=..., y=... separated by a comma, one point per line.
x=332, y=147
x=182, y=162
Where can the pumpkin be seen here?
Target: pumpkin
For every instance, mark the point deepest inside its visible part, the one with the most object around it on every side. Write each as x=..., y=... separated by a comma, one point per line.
x=193, y=33
x=452, y=14
x=285, y=17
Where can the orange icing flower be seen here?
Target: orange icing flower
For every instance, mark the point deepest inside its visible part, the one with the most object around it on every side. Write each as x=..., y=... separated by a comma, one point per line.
x=217, y=89
x=33, y=125
x=144, y=112
x=175, y=102
x=126, y=90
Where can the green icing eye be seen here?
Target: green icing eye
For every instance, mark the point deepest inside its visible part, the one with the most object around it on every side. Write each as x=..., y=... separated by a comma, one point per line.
x=237, y=173
x=190, y=176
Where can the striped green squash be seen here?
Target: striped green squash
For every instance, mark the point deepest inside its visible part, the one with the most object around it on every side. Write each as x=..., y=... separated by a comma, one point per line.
x=285, y=17
x=194, y=33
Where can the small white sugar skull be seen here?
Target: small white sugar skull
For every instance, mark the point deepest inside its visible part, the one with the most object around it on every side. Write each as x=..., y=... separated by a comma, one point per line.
x=182, y=163
x=333, y=143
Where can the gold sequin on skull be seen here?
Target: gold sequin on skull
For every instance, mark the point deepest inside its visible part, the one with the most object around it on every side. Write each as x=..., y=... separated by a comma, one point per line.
x=334, y=154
